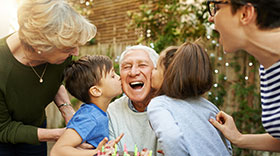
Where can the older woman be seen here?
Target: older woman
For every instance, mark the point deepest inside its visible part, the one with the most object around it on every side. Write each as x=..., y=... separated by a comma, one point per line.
x=32, y=61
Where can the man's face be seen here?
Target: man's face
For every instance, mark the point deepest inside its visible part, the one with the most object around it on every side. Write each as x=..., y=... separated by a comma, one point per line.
x=136, y=70
x=229, y=27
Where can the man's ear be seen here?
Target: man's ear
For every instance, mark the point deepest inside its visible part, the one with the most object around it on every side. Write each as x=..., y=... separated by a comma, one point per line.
x=248, y=14
x=95, y=91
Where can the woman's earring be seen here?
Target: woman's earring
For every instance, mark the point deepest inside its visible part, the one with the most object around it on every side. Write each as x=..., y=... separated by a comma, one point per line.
x=39, y=52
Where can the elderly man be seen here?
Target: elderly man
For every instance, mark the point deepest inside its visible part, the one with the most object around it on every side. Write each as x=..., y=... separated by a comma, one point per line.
x=128, y=114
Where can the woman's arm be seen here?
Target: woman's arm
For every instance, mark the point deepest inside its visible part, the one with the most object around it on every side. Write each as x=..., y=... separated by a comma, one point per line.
x=263, y=142
x=63, y=103
x=49, y=134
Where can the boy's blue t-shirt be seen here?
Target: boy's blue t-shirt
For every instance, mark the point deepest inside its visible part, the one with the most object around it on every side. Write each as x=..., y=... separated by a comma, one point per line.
x=91, y=123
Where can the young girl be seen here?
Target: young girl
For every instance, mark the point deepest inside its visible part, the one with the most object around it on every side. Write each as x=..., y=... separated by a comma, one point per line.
x=179, y=115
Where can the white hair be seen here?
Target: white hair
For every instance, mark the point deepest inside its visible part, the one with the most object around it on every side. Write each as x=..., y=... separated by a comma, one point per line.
x=152, y=53
x=48, y=24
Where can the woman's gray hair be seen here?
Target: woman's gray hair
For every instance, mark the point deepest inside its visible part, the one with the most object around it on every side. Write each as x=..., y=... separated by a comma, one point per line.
x=152, y=53
x=48, y=24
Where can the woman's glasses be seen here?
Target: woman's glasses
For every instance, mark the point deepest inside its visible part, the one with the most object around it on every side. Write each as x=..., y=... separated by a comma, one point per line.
x=212, y=8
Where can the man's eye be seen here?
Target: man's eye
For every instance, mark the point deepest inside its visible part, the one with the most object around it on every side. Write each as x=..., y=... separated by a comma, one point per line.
x=142, y=65
x=126, y=67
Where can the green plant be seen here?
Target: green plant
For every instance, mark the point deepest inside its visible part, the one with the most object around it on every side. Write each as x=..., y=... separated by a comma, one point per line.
x=168, y=22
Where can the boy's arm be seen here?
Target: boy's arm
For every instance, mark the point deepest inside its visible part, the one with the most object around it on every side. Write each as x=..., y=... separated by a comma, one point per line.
x=67, y=143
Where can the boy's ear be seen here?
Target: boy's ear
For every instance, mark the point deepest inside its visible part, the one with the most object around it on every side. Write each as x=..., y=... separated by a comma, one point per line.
x=248, y=14
x=95, y=91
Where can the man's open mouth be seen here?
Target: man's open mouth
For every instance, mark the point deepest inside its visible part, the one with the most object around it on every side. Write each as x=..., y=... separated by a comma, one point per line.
x=136, y=85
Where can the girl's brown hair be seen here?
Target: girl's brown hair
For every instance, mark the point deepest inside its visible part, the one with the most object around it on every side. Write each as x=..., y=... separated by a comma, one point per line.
x=189, y=73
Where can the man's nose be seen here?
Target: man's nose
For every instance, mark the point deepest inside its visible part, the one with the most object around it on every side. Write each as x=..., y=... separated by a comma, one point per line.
x=134, y=71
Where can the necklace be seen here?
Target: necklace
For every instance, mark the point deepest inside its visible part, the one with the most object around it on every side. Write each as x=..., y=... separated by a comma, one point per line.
x=40, y=77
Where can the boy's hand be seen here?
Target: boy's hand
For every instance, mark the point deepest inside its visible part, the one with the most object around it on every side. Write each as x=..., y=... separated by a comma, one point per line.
x=102, y=143
x=116, y=141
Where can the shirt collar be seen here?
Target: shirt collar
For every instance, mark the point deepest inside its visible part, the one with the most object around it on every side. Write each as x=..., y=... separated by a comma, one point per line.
x=130, y=105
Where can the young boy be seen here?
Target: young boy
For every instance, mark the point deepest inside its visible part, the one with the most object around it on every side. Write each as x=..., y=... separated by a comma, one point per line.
x=92, y=80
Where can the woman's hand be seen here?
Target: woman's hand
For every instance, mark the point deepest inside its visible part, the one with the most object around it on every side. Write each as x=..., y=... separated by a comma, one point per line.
x=226, y=125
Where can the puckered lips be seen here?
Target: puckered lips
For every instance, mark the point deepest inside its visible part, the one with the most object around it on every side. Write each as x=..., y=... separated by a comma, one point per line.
x=136, y=85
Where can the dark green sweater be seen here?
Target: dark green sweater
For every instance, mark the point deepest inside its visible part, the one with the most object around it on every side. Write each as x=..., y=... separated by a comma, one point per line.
x=23, y=98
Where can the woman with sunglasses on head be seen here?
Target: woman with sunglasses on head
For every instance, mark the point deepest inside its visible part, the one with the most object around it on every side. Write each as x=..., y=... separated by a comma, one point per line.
x=253, y=26
x=32, y=61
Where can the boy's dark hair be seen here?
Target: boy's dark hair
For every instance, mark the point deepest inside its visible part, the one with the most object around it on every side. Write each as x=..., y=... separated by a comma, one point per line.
x=189, y=74
x=85, y=73
x=268, y=14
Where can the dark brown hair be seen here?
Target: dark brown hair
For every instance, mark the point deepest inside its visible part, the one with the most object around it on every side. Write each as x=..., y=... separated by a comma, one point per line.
x=268, y=14
x=167, y=56
x=189, y=74
x=85, y=73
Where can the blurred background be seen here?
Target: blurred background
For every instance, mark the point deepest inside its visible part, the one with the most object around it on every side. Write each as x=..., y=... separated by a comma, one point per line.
x=159, y=24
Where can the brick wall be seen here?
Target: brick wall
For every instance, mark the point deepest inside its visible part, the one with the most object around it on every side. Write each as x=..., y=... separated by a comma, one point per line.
x=111, y=20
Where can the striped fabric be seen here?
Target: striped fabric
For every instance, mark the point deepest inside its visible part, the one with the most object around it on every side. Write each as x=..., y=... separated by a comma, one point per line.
x=270, y=99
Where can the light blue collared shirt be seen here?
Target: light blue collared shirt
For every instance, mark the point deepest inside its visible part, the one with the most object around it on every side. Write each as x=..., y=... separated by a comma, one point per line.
x=130, y=105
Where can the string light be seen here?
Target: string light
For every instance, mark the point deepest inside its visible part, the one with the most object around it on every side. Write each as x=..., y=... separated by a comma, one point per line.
x=215, y=85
